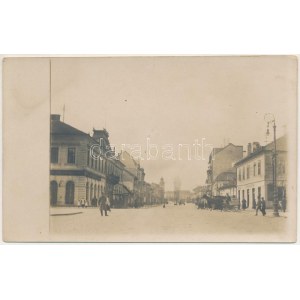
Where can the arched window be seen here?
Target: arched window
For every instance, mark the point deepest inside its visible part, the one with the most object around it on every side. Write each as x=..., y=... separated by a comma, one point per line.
x=70, y=191
x=53, y=192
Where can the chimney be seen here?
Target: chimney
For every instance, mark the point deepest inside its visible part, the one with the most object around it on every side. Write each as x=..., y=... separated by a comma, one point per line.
x=249, y=149
x=256, y=146
x=97, y=134
x=55, y=117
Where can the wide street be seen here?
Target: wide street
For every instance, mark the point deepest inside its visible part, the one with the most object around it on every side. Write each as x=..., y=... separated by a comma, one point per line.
x=170, y=224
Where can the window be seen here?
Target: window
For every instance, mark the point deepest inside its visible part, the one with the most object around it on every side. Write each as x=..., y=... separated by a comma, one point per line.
x=240, y=175
x=248, y=172
x=54, y=155
x=259, y=168
x=259, y=192
x=70, y=191
x=71, y=155
x=243, y=173
x=254, y=169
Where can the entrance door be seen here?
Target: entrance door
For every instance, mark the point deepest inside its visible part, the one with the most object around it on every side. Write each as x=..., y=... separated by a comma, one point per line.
x=53, y=192
x=70, y=189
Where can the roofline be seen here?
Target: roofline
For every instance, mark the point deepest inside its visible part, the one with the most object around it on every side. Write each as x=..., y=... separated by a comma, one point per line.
x=260, y=151
x=221, y=149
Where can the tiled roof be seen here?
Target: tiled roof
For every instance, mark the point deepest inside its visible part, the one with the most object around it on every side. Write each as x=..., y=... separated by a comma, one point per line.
x=58, y=127
x=226, y=176
x=281, y=145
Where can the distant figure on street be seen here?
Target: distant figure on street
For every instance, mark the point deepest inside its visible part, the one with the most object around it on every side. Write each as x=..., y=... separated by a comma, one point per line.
x=102, y=204
x=244, y=206
x=85, y=204
x=263, y=206
x=198, y=203
x=78, y=203
x=228, y=199
x=82, y=203
x=107, y=204
x=283, y=204
x=258, y=205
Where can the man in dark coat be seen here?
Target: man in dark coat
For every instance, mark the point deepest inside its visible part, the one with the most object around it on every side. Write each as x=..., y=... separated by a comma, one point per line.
x=263, y=206
x=103, y=207
x=258, y=205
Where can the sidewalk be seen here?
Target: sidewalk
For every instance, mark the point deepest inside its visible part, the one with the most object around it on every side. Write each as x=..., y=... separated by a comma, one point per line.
x=269, y=213
x=64, y=211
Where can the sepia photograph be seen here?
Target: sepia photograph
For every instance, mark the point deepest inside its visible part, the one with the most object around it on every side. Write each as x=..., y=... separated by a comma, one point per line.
x=166, y=148
x=149, y=150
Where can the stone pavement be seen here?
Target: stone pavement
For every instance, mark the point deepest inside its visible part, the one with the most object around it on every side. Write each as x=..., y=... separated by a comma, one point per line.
x=170, y=224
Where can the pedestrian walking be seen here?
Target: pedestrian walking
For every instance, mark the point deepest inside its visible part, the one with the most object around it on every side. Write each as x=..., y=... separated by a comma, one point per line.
x=228, y=199
x=263, y=206
x=244, y=206
x=102, y=202
x=78, y=203
x=107, y=204
x=258, y=205
x=85, y=204
x=82, y=203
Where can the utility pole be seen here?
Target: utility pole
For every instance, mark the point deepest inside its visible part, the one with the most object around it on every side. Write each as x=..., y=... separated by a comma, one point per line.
x=269, y=118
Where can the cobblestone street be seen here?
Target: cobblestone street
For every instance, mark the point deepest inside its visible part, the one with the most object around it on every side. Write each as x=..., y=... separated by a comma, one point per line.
x=183, y=223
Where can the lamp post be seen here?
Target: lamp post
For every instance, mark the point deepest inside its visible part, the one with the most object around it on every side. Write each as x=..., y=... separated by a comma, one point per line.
x=269, y=118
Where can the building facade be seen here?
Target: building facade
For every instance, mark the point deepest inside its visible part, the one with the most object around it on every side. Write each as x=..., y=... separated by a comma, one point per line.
x=221, y=160
x=74, y=176
x=255, y=173
x=225, y=183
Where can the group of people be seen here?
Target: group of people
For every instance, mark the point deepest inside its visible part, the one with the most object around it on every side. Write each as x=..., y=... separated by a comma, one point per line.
x=104, y=204
x=260, y=205
x=82, y=203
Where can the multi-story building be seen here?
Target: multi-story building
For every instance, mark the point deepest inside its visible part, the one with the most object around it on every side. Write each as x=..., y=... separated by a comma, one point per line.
x=74, y=175
x=157, y=193
x=255, y=173
x=221, y=160
x=114, y=169
x=133, y=179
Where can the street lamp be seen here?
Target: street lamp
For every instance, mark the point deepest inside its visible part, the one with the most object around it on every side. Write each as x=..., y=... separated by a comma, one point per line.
x=269, y=118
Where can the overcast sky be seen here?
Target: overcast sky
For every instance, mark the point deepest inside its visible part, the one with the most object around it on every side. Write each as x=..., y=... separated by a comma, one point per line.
x=173, y=100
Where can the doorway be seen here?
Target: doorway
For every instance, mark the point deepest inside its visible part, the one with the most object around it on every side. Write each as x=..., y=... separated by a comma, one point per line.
x=70, y=191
